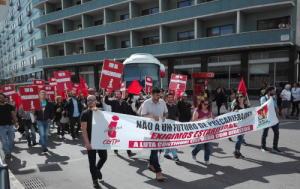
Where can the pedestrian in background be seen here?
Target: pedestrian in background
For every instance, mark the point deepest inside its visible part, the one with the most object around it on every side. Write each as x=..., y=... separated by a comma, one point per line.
x=219, y=98
x=296, y=99
x=286, y=96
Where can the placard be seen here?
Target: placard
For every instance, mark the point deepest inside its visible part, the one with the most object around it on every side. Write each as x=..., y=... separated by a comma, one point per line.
x=123, y=88
x=30, y=98
x=63, y=81
x=148, y=84
x=178, y=82
x=9, y=90
x=111, y=75
x=50, y=91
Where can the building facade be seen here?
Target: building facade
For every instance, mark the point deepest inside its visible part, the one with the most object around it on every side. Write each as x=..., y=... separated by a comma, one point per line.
x=233, y=38
x=18, y=53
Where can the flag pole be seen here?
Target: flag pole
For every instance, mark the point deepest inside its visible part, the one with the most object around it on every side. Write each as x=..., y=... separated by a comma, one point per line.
x=248, y=98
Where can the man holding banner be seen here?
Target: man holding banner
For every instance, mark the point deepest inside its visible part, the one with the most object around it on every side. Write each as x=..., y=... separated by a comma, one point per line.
x=270, y=91
x=155, y=108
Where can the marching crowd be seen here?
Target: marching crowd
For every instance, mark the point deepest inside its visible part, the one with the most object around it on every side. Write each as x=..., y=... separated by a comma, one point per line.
x=74, y=112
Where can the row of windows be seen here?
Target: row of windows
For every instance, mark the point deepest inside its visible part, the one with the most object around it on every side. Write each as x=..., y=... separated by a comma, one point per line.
x=32, y=61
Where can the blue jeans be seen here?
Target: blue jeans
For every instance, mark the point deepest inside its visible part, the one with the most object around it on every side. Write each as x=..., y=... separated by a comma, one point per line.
x=173, y=150
x=239, y=141
x=7, y=135
x=198, y=147
x=275, y=129
x=44, y=127
x=154, y=161
x=28, y=125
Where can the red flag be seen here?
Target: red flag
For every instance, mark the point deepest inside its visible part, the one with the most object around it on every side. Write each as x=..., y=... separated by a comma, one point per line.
x=18, y=101
x=135, y=87
x=242, y=87
x=84, y=87
x=178, y=93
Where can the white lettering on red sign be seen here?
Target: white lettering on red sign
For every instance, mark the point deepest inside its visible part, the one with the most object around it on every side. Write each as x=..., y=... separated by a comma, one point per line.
x=113, y=74
x=62, y=74
x=7, y=88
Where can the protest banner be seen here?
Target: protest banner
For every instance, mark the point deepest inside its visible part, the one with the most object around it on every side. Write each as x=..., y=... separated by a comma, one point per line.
x=148, y=84
x=123, y=88
x=52, y=82
x=40, y=83
x=9, y=90
x=63, y=81
x=119, y=131
x=50, y=91
x=30, y=98
x=177, y=82
x=111, y=75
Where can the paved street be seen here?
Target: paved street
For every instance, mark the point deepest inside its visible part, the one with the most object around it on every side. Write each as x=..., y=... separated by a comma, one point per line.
x=66, y=165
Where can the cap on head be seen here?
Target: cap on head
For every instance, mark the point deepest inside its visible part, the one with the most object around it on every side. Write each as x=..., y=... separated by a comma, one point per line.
x=183, y=94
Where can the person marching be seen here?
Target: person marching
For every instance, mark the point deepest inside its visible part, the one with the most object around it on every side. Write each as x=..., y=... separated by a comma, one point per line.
x=59, y=112
x=240, y=99
x=119, y=105
x=155, y=108
x=86, y=125
x=74, y=110
x=28, y=125
x=202, y=112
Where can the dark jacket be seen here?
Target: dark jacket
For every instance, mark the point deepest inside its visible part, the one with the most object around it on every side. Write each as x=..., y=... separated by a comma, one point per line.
x=48, y=113
x=70, y=107
x=58, y=115
x=219, y=98
x=116, y=107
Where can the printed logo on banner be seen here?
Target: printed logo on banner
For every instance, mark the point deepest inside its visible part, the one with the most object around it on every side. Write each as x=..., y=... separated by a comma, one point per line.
x=262, y=116
x=112, y=131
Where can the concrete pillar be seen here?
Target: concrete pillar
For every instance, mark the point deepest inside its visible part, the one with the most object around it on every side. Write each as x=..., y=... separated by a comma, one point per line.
x=77, y=80
x=135, y=39
x=204, y=63
x=96, y=77
x=245, y=67
x=164, y=34
x=134, y=10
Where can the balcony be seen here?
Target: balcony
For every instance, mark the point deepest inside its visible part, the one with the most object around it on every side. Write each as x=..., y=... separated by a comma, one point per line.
x=248, y=40
x=171, y=16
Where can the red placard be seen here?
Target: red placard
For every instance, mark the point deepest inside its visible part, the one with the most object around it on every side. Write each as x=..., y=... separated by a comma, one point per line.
x=178, y=82
x=123, y=88
x=203, y=75
x=148, y=84
x=75, y=86
x=50, y=91
x=9, y=90
x=111, y=75
x=63, y=81
x=30, y=98
x=52, y=82
x=38, y=82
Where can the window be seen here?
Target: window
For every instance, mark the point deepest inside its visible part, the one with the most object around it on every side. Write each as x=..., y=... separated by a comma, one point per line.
x=58, y=9
x=22, y=49
x=13, y=26
x=19, y=3
x=30, y=43
x=32, y=60
x=221, y=30
x=78, y=2
x=125, y=44
x=6, y=21
x=98, y=22
x=12, y=12
x=150, y=11
x=185, y=3
x=20, y=18
x=13, y=39
x=23, y=63
x=150, y=40
x=30, y=25
x=185, y=35
x=124, y=17
x=21, y=33
x=60, y=31
x=100, y=47
x=28, y=8
x=272, y=23
x=14, y=53
x=61, y=53
x=15, y=66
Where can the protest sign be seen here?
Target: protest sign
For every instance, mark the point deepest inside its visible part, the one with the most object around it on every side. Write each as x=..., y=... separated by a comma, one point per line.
x=9, y=90
x=123, y=88
x=177, y=82
x=50, y=91
x=111, y=75
x=30, y=98
x=148, y=84
x=63, y=81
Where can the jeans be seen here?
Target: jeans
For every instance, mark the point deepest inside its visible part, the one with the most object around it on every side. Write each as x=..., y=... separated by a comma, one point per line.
x=275, y=129
x=92, y=161
x=173, y=150
x=219, y=107
x=198, y=147
x=73, y=121
x=7, y=135
x=44, y=127
x=60, y=127
x=28, y=125
x=239, y=141
x=154, y=161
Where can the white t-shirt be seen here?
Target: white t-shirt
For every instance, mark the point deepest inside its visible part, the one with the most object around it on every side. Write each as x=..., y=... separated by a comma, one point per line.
x=281, y=26
x=286, y=94
x=296, y=94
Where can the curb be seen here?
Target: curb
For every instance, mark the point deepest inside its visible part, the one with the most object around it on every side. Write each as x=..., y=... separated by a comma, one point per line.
x=14, y=182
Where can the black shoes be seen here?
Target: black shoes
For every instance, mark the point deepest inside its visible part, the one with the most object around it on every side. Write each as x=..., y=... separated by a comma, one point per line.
x=7, y=156
x=96, y=184
x=275, y=150
x=99, y=175
x=45, y=150
x=230, y=139
x=34, y=144
x=167, y=156
x=238, y=155
x=29, y=144
x=264, y=149
x=131, y=155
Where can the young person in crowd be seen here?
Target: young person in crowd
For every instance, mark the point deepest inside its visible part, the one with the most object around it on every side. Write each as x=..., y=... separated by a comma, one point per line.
x=74, y=110
x=59, y=113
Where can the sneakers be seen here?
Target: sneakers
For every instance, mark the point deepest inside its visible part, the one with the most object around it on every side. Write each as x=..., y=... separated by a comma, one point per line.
x=236, y=154
x=96, y=184
x=159, y=177
x=176, y=160
x=29, y=144
x=99, y=175
x=264, y=149
x=7, y=156
x=45, y=150
x=34, y=144
x=151, y=168
x=194, y=157
x=207, y=163
x=230, y=139
x=131, y=155
x=167, y=156
x=275, y=150
x=241, y=156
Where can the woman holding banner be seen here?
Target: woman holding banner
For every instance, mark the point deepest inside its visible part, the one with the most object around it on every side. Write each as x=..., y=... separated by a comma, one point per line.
x=202, y=112
x=240, y=99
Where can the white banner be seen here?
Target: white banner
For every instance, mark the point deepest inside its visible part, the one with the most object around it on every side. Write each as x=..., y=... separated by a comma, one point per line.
x=118, y=131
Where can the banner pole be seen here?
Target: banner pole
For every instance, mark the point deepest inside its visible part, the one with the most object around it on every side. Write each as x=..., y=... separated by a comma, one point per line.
x=248, y=98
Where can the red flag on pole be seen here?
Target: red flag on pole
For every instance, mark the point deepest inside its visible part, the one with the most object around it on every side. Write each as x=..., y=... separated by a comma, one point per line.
x=84, y=87
x=135, y=87
x=18, y=101
x=242, y=87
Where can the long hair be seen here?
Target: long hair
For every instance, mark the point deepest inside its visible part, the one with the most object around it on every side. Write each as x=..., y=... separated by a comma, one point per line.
x=237, y=98
x=56, y=99
x=202, y=100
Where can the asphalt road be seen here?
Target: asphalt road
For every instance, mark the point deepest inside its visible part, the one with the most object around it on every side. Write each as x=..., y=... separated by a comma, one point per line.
x=66, y=165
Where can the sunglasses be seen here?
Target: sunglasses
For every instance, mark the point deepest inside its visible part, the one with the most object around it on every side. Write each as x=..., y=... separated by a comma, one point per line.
x=91, y=100
x=205, y=104
x=241, y=97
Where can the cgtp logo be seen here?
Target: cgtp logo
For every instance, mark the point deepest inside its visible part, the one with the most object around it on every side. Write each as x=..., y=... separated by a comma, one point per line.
x=262, y=116
x=112, y=127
